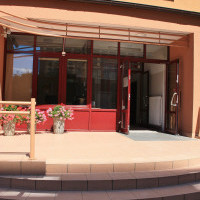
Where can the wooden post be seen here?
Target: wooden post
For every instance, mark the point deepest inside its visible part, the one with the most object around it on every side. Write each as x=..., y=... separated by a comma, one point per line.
x=32, y=136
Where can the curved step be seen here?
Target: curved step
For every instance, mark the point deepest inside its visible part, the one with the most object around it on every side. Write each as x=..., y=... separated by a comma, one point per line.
x=181, y=192
x=102, y=181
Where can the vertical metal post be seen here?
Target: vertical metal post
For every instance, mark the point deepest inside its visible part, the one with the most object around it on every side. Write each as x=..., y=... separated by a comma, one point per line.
x=32, y=136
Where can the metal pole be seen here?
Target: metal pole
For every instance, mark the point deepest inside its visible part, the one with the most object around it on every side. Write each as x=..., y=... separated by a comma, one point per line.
x=32, y=136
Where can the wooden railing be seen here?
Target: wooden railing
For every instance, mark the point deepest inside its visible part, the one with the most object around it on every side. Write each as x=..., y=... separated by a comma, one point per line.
x=32, y=103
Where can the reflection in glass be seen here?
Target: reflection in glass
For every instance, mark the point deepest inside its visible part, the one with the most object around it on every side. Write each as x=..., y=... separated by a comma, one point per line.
x=20, y=42
x=49, y=44
x=131, y=49
x=105, y=48
x=18, y=85
x=78, y=46
x=76, y=82
x=156, y=52
x=47, y=83
x=104, y=83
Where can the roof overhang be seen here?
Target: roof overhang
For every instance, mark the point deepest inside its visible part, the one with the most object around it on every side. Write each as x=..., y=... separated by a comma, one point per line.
x=66, y=29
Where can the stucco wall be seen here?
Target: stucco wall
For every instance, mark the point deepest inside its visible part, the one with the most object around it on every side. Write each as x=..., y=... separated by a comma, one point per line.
x=189, y=5
x=1, y=61
x=185, y=56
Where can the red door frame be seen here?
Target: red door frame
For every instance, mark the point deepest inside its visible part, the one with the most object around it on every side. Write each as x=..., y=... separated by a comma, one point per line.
x=176, y=131
x=127, y=110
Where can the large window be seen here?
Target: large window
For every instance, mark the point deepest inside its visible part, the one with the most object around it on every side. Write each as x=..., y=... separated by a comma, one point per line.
x=76, y=82
x=104, y=83
x=45, y=53
x=19, y=69
x=47, y=81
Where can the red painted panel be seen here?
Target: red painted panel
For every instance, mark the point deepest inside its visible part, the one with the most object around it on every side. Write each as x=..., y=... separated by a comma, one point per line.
x=103, y=121
x=80, y=121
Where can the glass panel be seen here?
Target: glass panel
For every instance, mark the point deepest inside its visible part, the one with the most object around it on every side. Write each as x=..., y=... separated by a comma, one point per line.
x=125, y=86
x=49, y=44
x=124, y=119
x=145, y=99
x=104, y=83
x=171, y=88
x=48, y=80
x=19, y=69
x=78, y=46
x=105, y=48
x=156, y=52
x=171, y=121
x=20, y=42
x=131, y=49
x=76, y=82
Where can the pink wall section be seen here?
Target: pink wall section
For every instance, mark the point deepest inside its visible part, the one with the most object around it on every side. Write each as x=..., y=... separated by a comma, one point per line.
x=1, y=61
x=185, y=56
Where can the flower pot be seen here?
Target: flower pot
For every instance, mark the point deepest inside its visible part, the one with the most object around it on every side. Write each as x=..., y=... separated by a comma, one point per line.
x=58, y=126
x=29, y=128
x=9, y=128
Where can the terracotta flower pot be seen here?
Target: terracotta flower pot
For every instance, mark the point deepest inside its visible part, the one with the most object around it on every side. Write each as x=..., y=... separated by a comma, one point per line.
x=9, y=128
x=58, y=126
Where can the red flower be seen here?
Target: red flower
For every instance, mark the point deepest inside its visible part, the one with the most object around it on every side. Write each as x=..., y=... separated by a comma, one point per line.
x=19, y=108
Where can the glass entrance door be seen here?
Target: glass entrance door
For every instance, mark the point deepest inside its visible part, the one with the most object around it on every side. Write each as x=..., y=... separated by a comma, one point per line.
x=145, y=99
x=172, y=97
x=125, y=94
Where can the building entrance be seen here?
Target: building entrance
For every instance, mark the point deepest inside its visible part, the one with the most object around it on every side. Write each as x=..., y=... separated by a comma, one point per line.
x=147, y=96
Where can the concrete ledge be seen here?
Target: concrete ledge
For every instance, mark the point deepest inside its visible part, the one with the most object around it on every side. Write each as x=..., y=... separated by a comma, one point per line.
x=52, y=168
x=39, y=167
x=29, y=167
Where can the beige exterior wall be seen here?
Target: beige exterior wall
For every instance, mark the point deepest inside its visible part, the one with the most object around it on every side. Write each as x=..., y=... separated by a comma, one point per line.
x=188, y=5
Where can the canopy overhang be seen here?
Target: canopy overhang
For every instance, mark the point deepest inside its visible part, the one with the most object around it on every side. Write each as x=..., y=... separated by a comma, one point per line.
x=66, y=29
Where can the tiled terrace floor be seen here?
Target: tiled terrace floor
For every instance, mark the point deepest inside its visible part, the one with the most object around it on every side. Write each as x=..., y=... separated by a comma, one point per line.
x=101, y=147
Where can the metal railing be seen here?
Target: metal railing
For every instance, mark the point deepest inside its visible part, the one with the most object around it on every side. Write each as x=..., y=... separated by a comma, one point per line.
x=32, y=103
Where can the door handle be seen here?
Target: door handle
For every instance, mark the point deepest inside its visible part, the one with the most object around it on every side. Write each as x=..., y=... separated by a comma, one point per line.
x=172, y=100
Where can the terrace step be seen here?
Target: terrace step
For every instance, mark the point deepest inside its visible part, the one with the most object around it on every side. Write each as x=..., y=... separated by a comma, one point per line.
x=181, y=192
x=102, y=181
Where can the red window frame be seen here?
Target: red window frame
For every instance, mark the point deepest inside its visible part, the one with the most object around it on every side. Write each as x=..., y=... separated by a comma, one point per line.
x=62, y=73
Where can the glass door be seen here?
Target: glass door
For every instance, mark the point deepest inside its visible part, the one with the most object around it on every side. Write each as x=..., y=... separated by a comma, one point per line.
x=125, y=94
x=75, y=78
x=172, y=97
x=145, y=99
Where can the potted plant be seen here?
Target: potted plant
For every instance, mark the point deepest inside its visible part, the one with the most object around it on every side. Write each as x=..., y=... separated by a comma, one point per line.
x=40, y=117
x=59, y=114
x=9, y=120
